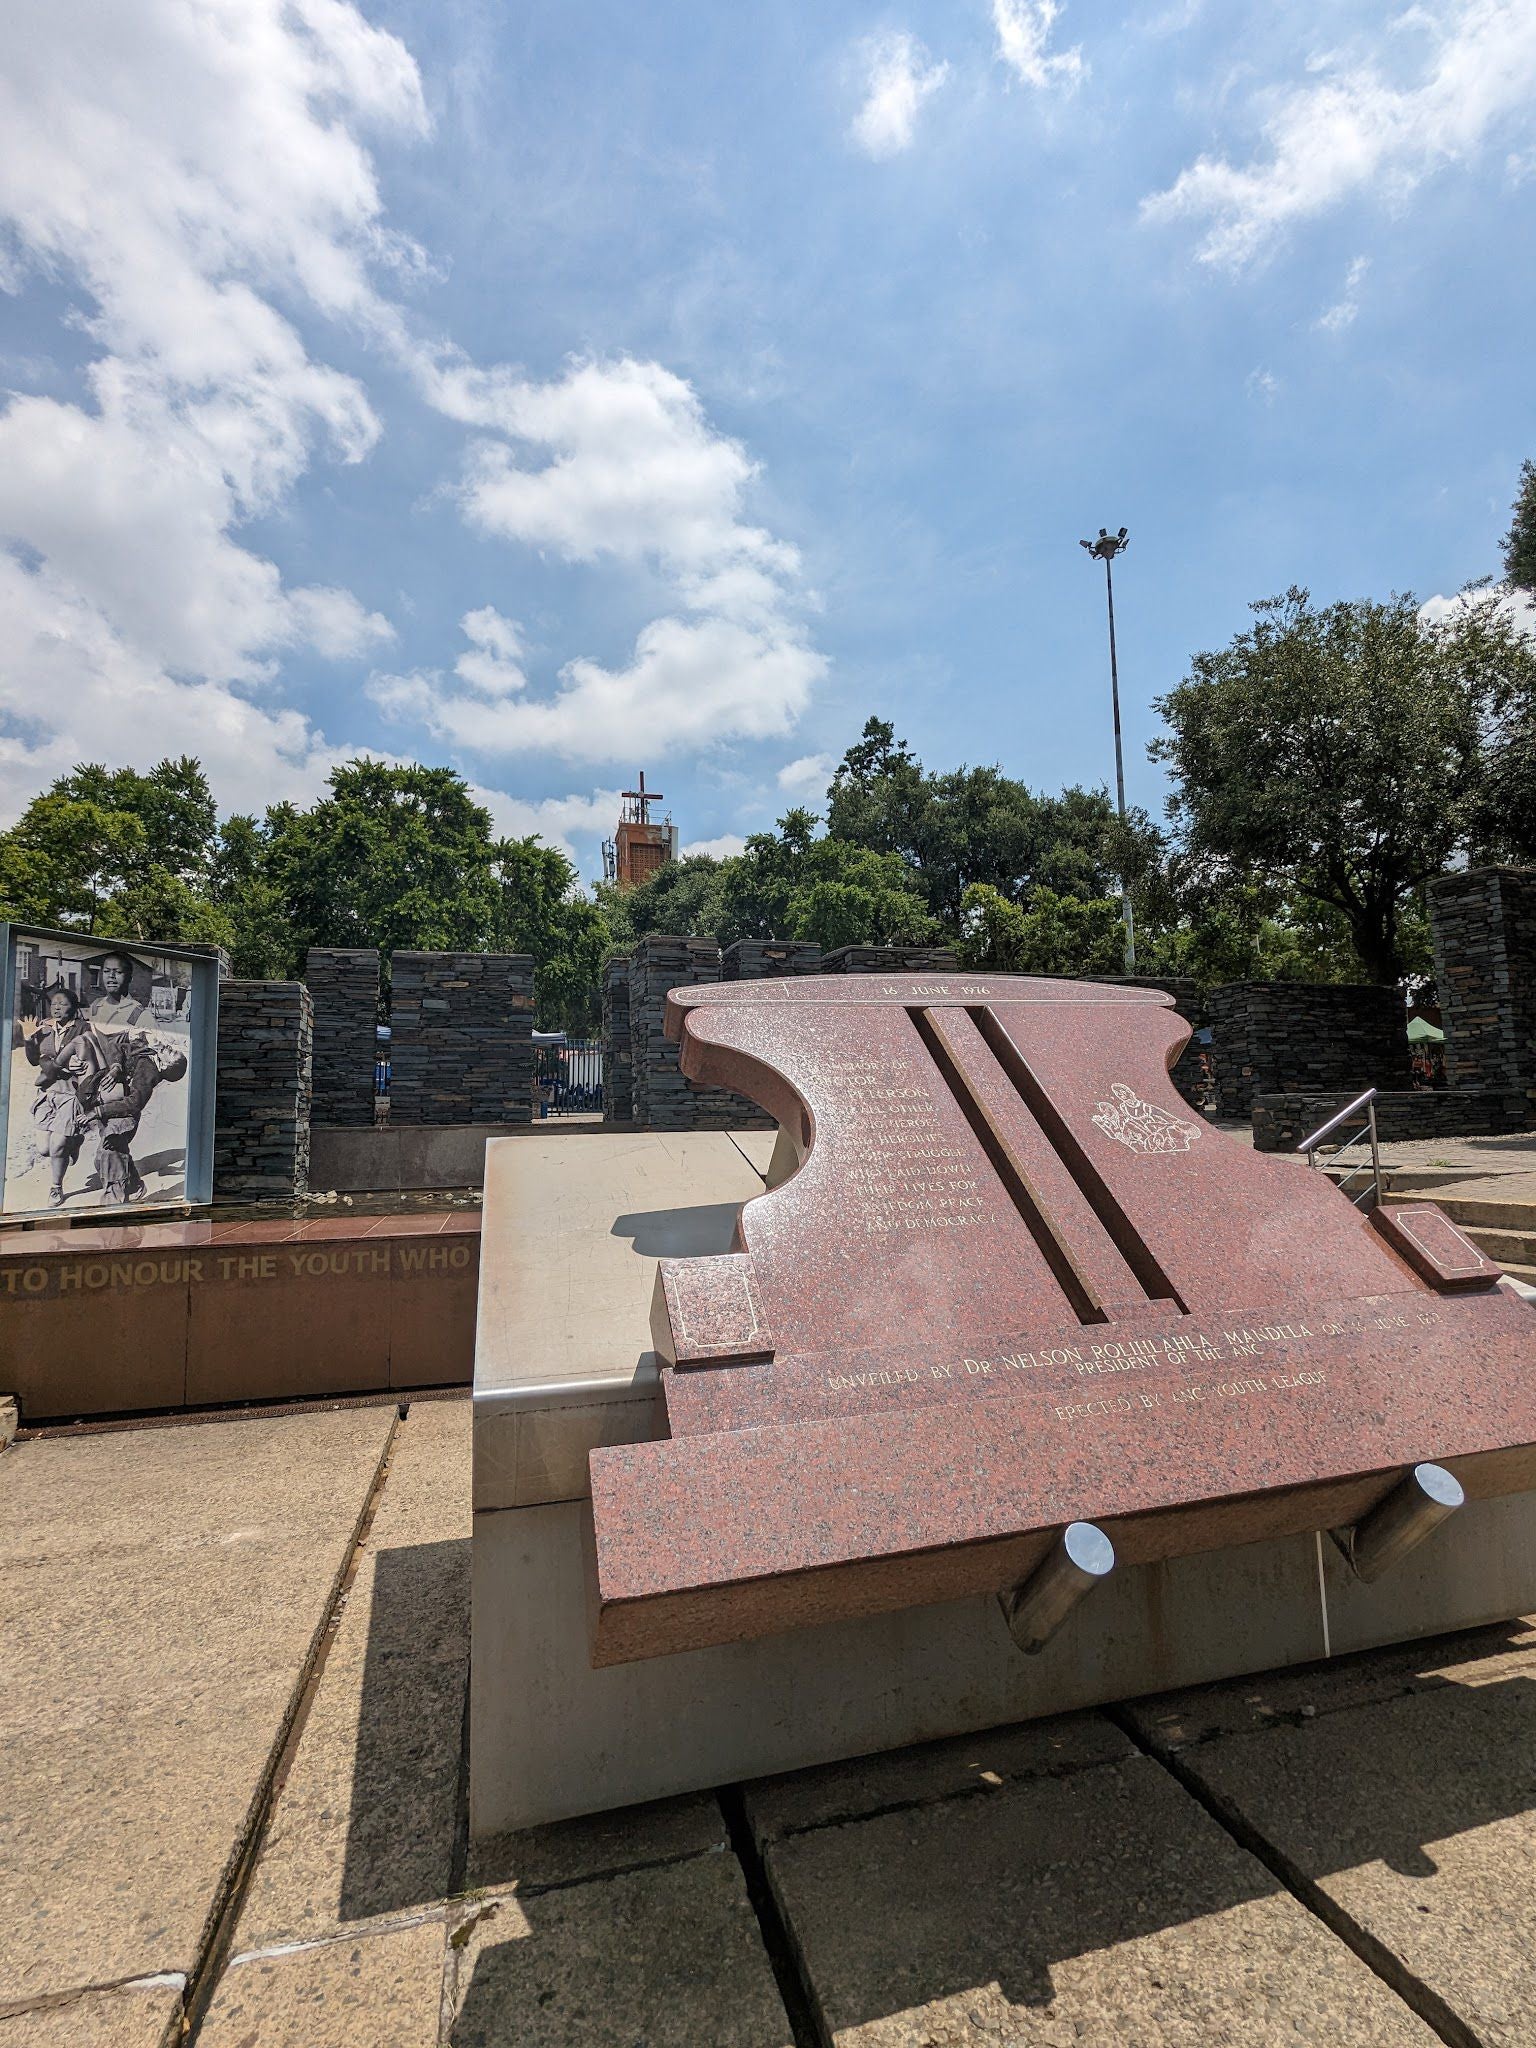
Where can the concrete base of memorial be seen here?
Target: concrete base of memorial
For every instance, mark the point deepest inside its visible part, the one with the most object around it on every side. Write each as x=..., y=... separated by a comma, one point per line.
x=563, y=1364
x=402, y=1158
x=128, y=1318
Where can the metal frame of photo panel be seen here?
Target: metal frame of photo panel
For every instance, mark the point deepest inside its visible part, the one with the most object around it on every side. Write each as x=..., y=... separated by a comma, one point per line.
x=202, y=1070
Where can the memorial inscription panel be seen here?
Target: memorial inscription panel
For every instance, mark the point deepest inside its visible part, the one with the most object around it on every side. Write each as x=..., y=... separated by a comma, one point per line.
x=1015, y=1281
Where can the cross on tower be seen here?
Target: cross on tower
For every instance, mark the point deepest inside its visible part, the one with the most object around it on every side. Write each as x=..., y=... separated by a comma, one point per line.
x=642, y=799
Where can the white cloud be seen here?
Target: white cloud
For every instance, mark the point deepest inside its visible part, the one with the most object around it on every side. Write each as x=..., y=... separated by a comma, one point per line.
x=556, y=819
x=617, y=460
x=1517, y=607
x=1263, y=385
x=1023, y=37
x=634, y=469
x=178, y=164
x=1344, y=312
x=75, y=690
x=899, y=76
x=810, y=773
x=722, y=847
x=493, y=665
x=1351, y=129
x=196, y=169
x=690, y=683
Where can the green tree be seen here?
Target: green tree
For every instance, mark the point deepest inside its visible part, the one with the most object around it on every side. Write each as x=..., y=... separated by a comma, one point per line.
x=117, y=853
x=1520, y=541
x=263, y=943
x=794, y=883
x=1053, y=935
x=393, y=857
x=970, y=825
x=64, y=858
x=545, y=914
x=1336, y=756
x=684, y=896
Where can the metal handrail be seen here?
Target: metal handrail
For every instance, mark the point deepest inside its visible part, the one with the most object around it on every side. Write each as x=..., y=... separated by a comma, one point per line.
x=1366, y=1132
x=1335, y=1120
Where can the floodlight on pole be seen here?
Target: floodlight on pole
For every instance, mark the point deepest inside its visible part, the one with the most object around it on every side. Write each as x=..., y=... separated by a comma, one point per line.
x=1104, y=550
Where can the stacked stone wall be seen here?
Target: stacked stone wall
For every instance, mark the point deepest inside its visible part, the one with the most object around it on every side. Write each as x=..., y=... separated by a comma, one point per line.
x=1285, y=1037
x=1280, y=1122
x=769, y=959
x=618, y=1044
x=218, y=954
x=262, y=1091
x=663, y=1100
x=891, y=960
x=461, y=1038
x=1483, y=923
x=343, y=983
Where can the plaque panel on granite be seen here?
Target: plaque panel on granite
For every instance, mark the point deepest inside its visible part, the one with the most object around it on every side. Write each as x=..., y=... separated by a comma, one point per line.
x=1015, y=1282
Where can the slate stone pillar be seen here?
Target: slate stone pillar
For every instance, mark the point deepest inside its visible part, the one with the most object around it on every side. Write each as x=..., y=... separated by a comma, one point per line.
x=1483, y=923
x=891, y=960
x=1313, y=1038
x=461, y=1038
x=618, y=1045
x=343, y=983
x=663, y=1099
x=262, y=1093
x=769, y=959
x=218, y=953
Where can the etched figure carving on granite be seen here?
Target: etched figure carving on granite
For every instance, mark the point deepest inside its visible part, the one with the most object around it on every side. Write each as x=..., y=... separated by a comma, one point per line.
x=1142, y=1126
x=1011, y=1283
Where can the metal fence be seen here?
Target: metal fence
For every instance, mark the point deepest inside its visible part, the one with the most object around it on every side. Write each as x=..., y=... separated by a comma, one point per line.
x=568, y=1079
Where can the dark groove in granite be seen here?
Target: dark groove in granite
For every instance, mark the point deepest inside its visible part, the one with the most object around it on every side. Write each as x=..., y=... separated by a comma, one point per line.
x=1053, y=1247
x=1393, y=1972
x=1127, y=1239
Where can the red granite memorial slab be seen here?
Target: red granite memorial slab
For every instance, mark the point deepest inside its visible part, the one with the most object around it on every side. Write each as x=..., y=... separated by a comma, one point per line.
x=1014, y=1282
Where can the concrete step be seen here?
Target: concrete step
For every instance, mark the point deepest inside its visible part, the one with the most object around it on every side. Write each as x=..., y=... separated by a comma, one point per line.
x=1476, y=1212
x=1508, y=1248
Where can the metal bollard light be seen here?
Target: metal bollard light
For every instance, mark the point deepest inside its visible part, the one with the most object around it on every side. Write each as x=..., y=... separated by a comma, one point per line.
x=1080, y=1559
x=1399, y=1522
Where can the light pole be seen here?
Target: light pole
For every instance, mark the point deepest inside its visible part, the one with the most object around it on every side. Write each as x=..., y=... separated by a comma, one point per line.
x=1104, y=550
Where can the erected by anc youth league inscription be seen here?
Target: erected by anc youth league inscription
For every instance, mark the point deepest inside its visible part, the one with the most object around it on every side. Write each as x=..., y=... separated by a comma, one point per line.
x=1014, y=1282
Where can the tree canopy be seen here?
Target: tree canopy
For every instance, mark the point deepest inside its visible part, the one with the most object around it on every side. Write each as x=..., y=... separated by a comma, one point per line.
x=1342, y=755
x=1520, y=541
x=1324, y=765
x=390, y=857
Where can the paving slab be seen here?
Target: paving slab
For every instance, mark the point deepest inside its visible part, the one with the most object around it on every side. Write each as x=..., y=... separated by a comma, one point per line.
x=669, y=1957
x=600, y=1844
x=381, y=1990
x=931, y=1771
x=1101, y=1906
x=1173, y=1720
x=365, y=1818
x=1416, y=1816
x=132, y=2016
x=161, y=1591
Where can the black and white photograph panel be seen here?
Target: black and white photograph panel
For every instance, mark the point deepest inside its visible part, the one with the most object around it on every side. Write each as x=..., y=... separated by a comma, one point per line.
x=98, y=1104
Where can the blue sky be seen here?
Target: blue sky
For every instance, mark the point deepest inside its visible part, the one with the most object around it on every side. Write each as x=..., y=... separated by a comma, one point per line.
x=562, y=390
